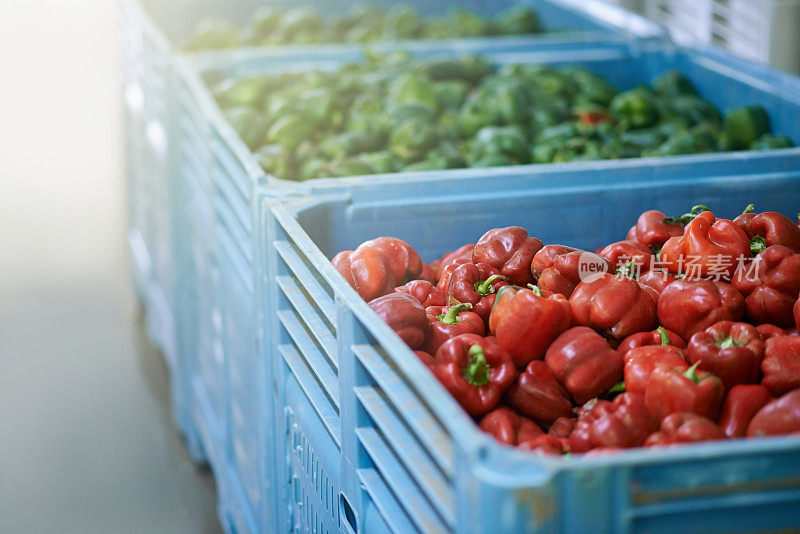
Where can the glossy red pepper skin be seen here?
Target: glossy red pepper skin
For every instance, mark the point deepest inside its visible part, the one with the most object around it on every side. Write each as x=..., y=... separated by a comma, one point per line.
x=770, y=285
x=509, y=250
x=584, y=363
x=713, y=245
x=670, y=390
x=526, y=323
x=781, y=364
x=446, y=274
x=462, y=254
x=477, y=378
x=443, y=328
x=546, y=256
x=476, y=284
x=622, y=252
x=615, y=305
x=654, y=337
x=564, y=275
x=797, y=314
x=731, y=351
x=742, y=403
x=405, y=315
x=774, y=228
x=625, y=422
x=641, y=361
x=538, y=394
x=651, y=231
x=425, y=292
x=508, y=427
x=678, y=428
x=767, y=331
x=779, y=416
x=562, y=427
x=657, y=279
x=377, y=266
x=424, y=357
x=690, y=306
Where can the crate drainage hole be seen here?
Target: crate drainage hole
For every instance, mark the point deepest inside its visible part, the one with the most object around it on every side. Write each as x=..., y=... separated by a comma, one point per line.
x=346, y=512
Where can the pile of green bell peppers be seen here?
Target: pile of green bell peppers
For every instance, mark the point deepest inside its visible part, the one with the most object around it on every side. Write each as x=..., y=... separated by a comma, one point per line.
x=277, y=25
x=394, y=113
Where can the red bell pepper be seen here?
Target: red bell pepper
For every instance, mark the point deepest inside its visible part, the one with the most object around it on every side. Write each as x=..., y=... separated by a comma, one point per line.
x=780, y=416
x=767, y=331
x=462, y=254
x=770, y=285
x=430, y=272
x=546, y=445
x=593, y=117
x=451, y=321
x=567, y=270
x=797, y=314
x=731, y=351
x=689, y=306
x=425, y=292
x=624, y=253
x=781, y=365
x=584, y=362
x=741, y=403
x=509, y=427
x=526, y=322
x=446, y=274
x=625, y=422
x=509, y=250
x=653, y=229
x=769, y=228
x=546, y=256
x=657, y=279
x=659, y=336
x=476, y=372
x=562, y=427
x=641, y=361
x=477, y=284
x=671, y=390
x=377, y=266
x=709, y=247
x=687, y=427
x=424, y=357
x=538, y=394
x=405, y=315
x=616, y=305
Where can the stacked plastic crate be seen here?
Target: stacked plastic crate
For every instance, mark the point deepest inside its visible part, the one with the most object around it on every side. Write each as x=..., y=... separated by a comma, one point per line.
x=309, y=409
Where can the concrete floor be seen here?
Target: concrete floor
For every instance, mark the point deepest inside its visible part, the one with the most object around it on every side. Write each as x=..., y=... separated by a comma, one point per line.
x=86, y=438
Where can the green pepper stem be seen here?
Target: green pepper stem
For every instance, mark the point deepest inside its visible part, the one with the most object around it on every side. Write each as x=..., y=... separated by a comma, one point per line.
x=757, y=244
x=628, y=270
x=749, y=208
x=686, y=218
x=728, y=342
x=691, y=373
x=535, y=290
x=451, y=317
x=619, y=387
x=662, y=332
x=485, y=288
x=477, y=370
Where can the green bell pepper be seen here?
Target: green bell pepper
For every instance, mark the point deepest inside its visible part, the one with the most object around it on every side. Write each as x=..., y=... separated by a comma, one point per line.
x=744, y=125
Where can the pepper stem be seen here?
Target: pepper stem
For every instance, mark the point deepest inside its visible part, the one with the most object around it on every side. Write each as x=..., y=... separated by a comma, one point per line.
x=477, y=370
x=486, y=288
x=619, y=387
x=757, y=244
x=691, y=373
x=686, y=218
x=535, y=290
x=662, y=332
x=451, y=317
x=749, y=208
x=628, y=270
x=728, y=342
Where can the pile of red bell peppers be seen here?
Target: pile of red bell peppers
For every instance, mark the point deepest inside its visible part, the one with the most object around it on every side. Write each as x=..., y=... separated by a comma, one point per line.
x=686, y=331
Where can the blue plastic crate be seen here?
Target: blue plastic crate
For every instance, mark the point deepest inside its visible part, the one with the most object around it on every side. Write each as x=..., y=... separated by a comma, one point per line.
x=370, y=442
x=236, y=176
